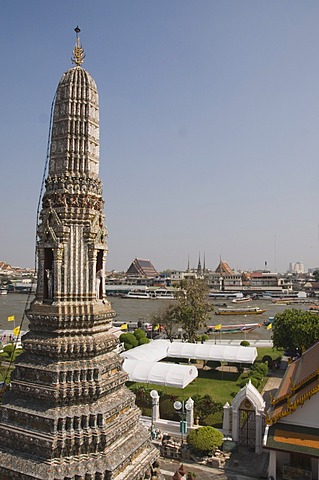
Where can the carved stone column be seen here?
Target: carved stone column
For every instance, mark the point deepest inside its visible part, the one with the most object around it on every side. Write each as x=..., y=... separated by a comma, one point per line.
x=226, y=419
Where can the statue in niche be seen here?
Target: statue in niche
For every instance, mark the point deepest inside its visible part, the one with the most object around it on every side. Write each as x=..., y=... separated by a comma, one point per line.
x=49, y=276
x=98, y=282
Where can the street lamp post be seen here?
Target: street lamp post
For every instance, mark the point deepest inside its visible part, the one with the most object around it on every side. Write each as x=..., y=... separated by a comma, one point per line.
x=181, y=408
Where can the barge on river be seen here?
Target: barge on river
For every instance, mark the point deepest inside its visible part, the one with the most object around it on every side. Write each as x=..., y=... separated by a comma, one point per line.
x=240, y=311
x=242, y=327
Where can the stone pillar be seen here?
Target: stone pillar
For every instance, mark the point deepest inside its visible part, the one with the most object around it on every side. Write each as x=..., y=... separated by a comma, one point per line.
x=226, y=420
x=259, y=419
x=103, y=274
x=57, y=288
x=189, y=412
x=92, y=272
x=235, y=426
x=155, y=406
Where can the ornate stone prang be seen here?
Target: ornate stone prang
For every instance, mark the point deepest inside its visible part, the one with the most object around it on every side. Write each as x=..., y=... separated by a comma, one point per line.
x=68, y=414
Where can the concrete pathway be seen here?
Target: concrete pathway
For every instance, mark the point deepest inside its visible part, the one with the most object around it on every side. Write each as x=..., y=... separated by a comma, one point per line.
x=249, y=467
x=272, y=386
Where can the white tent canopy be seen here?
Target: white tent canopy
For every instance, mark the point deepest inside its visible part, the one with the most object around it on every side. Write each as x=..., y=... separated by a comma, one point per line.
x=158, y=373
x=219, y=353
x=159, y=349
x=150, y=352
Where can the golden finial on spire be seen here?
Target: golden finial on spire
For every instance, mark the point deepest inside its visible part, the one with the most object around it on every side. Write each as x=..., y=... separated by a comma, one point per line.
x=78, y=52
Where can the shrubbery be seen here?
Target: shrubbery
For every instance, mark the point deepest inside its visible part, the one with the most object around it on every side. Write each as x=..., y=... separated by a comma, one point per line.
x=214, y=419
x=205, y=439
x=204, y=338
x=129, y=340
x=135, y=339
x=167, y=409
x=207, y=410
x=256, y=375
x=144, y=402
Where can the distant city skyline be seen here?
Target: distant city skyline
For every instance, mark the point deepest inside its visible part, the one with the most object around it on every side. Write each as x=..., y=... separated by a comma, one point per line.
x=209, y=126
x=294, y=267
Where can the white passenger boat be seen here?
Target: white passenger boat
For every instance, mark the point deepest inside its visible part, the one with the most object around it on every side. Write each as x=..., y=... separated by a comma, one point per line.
x=163, y=294
x=225, y=295
x=242, y=300
x=140, y=294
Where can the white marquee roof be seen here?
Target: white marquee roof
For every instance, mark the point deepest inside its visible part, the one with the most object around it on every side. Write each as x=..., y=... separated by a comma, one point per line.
x=220, y=353
x=169, y=374
x=159, y=349
x=150, y=352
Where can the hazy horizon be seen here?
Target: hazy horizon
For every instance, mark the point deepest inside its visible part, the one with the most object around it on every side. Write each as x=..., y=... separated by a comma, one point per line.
x=209, y=120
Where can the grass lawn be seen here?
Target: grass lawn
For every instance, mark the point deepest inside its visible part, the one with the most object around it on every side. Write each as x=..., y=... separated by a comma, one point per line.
x=221, y=386
x=272, y=352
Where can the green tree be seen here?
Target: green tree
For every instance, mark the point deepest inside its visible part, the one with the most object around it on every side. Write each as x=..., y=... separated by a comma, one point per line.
x=193, y=308
x=205, y=406
x=295, y=329
x=167, y=319
x=205, y=439
x=316, y=275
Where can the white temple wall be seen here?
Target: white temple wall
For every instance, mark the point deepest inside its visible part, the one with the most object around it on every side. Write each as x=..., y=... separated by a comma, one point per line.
x=306, y=415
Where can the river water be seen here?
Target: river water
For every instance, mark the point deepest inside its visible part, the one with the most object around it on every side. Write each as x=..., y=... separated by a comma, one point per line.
x=134, y=310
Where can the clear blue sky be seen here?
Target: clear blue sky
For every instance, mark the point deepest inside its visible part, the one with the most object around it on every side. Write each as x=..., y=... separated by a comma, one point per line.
x=209, y=125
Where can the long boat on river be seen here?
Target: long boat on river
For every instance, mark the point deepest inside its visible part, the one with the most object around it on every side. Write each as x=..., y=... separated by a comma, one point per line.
x=240, y=311
x=242, y=327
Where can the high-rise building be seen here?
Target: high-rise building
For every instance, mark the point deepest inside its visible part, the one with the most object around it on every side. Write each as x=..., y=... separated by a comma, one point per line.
x=68, y=414
x=296, y=267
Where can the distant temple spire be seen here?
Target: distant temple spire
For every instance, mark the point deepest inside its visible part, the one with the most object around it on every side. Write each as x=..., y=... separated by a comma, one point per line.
x=188, y=264
x=199, y=266
x=78, y=52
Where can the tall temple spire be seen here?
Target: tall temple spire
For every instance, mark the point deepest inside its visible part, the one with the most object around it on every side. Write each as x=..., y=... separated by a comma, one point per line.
x=78, y=52
x=68, y=414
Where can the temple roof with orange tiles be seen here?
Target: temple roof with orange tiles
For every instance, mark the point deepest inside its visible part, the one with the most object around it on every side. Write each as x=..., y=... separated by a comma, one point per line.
x=224, y=269
x=142, y=268
x=301, y=382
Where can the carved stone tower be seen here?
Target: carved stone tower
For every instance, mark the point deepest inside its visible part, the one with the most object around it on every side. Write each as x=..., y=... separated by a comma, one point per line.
x=68, y=414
